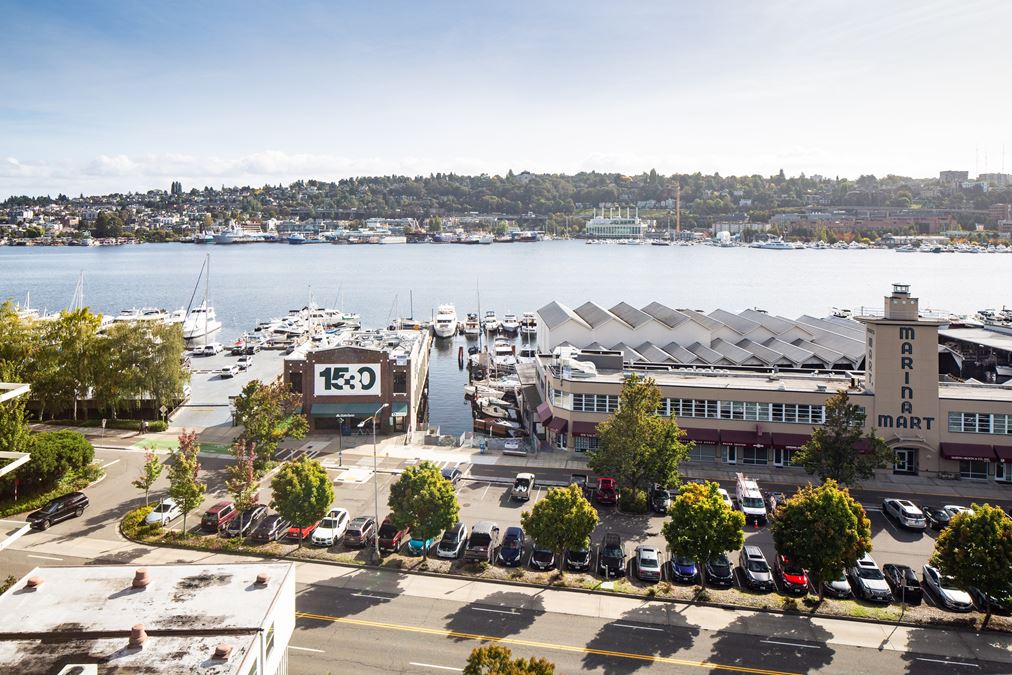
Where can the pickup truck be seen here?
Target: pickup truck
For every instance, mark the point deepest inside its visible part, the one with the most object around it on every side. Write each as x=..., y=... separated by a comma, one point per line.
x=244, y=362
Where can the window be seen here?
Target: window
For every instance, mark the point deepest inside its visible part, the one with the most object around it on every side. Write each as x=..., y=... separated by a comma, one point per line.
x=400, y=382
x=973, y=469
x=980, y=423
x=783, y=456
x=777, y=412
x=560, y=441
x=585, y=443
x=754, y=456
x=296, y=381
x=703, y=453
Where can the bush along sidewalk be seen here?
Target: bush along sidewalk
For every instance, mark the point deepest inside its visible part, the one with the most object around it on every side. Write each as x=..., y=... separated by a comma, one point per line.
x=132, y=528
x=71, y=482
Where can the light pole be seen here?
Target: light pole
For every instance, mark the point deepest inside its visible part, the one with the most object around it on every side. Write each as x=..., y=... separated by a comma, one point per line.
x=375, y=480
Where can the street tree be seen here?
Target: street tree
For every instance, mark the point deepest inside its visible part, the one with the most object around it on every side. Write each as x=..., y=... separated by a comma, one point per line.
x=150, y=472
x=562, y=520
x=184, y=473
x=495, y=659
x=267, y=413
x=976, y=550
x=822, y=529
x=241, y=482
x=637, y=446
x=423, y=501
x=701, y=525
x=835, y=450
x=302, y=492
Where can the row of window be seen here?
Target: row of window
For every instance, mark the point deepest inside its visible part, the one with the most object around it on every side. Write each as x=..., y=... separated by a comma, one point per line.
x=980, y=423
x=601, y=403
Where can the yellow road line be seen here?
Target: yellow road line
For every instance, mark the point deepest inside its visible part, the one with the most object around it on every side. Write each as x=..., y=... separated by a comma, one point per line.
x=540, y=645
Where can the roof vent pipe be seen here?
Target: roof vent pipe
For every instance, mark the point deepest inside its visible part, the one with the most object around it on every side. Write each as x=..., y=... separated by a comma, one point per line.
x=137, y=635
x=222, y=652
x=141, y=578
x=33, y=583
x=263, y=578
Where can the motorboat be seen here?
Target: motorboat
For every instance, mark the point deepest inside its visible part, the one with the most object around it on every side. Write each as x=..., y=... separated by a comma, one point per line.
x=136, y=314
x=200, y=322
x=528, y=325
x=496, y=408
x=445, y=323
x=498, y=427
x=490, y=322
x=905, y=248
x=504, y=360
x=472, y=326
x=510, y=324
x=778, y=245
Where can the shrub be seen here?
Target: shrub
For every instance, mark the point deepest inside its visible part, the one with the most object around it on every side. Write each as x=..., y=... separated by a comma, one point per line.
x=157, y=425
x=789, y=604
x=133, y=527
x=634, y=501
x=53, y=455
x=71, y=482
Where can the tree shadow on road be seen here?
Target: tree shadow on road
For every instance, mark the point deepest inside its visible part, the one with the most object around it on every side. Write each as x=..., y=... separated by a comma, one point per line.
x=120, y=557
x=344, y=596
x=499, y=614
x=928, y=651
x=652, y=630
x=773, y=642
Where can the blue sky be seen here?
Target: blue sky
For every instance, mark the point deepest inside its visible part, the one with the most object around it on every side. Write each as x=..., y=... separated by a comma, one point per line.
x=117, y=96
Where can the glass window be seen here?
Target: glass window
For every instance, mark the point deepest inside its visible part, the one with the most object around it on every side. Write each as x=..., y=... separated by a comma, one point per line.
x=973, y=469
x=777, y=412
x=400, y=382
x=712, y=409
x=703, y=453
x=754, y=456
x=585, y=443
x=955, y=421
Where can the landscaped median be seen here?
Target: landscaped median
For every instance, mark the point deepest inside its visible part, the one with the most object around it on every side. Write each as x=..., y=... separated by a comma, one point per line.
x=132, y=526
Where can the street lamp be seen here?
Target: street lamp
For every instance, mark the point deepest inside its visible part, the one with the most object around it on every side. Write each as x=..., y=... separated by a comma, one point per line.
x=375, y=480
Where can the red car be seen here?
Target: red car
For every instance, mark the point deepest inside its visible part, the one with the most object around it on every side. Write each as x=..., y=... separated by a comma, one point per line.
x=793, y=578
x=390, y=538
x=299, y=533
x=606, y=492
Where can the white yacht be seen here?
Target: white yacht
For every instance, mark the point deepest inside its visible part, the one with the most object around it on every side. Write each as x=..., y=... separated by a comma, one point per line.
x=200, y=322
x=472, y=326
x=445, y=324
x=528, y=325
x=510, y=324
x=491, y=322
x=778, y=245
x=143, y=314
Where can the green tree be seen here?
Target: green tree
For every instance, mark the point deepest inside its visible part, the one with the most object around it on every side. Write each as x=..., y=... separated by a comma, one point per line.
x=563, y=520
x=637, y=446
x=834, y=452
x=63, y=361
x=267, y=415
x=150, y=472
x=53, y=454
x=241, y=482
x=976, y=550
x=17, y=343
x=302, y=493
x=184, y=473
x=822, y=529
x=107, y=224
x=701, y=525
x=498, y=660
x=423, y=501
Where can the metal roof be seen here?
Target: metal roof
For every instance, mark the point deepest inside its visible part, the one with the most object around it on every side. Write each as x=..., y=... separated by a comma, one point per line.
x=739, y=323
x=595, y=314
x=707, y=355
x=629, y=314
x=702, y=319
x=680, y=353
x=555, y=314
x=669, y=317
x=768, y=356
x=798, y=355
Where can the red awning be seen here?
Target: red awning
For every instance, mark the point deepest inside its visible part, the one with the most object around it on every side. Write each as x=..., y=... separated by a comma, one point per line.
x=790, y=441
x=585, y=428
x=558, y=425
x=969, y=451
x=544, y=412
x=741, y=439
x=711, y=436
x=1004, y=452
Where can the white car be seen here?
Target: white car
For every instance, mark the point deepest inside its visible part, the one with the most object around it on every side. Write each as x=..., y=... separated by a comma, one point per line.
x=954, y=510
x=208, y=350
x=945, y=590
x=331, y=528
x=905, y=512
x=164, y=512
x=244, y=362
x=726, y=497
x=228, y=371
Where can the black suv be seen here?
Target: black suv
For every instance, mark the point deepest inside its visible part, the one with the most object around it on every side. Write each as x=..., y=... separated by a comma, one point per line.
x=244, y=524
x=611, y=559
x=59, y=509
x=718, y=571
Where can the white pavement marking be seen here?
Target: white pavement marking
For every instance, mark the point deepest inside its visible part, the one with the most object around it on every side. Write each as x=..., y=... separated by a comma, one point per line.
x=497, y=611
x=791, y=644
x=370, y=595
x=14, y=537
x=429, y=665
x=626, y=625
x=306, y=649
x=108, y=464
x=485, y=492
x=42, y=557
x=948, y=663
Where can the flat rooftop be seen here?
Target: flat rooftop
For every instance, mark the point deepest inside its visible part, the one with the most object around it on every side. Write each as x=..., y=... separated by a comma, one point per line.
x=971, y=391
x=993, y=339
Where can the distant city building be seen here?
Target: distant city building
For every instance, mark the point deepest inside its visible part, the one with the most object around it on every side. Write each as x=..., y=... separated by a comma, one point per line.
x=612, y=227
x=1000, y=212
x=953, y=178
x=996, y=179
x=736, y=228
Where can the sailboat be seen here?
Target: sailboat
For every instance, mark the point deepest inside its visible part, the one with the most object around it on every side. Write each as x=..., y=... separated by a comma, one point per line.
x=201, y=321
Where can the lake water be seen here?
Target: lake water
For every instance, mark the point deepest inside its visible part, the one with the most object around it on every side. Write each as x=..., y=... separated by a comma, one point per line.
x=260, y=281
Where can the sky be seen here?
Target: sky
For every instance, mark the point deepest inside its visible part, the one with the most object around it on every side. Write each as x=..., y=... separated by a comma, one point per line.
x=106, y=97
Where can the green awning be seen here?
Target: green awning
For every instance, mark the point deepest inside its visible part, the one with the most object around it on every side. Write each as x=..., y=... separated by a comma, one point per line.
x=400, y=410
x=344, y=409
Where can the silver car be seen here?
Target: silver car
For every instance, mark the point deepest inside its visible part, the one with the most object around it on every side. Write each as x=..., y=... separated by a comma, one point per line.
x=905, y=512
x=869, y=581
x=944, y=588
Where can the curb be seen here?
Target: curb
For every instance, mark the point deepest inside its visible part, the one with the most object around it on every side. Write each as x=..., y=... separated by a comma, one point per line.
x=584, y=591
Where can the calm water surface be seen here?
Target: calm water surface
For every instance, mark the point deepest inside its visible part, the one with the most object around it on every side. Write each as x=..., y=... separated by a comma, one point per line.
x=259, y=281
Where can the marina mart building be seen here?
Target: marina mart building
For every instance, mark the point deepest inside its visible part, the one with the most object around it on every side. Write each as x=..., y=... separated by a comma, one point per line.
x=748, y=389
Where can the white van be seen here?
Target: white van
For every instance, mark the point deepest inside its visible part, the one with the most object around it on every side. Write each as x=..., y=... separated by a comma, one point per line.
x=750, y=499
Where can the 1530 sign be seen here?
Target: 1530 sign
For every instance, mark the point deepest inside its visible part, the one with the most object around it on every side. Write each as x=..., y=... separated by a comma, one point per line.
x=355, y=379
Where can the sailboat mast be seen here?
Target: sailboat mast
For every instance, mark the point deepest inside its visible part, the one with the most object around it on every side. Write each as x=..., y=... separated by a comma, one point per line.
x=207, y=286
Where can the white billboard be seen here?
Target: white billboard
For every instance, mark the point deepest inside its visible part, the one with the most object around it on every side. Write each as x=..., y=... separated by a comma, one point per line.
x=353, y=379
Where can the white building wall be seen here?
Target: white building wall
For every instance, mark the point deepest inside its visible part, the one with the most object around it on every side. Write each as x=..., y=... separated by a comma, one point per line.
x=282, y=616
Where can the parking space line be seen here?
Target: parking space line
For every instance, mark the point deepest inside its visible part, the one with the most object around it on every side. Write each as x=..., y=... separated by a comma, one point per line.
x=485, y=492
x=42, y=557
x=429, y=665
x=626, y=625
x=497, y=611
x=306, y=649
x=108, y=464
x=792, y=644
x=949, y=663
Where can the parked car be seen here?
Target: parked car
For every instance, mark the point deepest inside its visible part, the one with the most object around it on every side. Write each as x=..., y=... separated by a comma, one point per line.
x=775, y=501
x=482, y=542
x=682, y=569
x=647, y=564
x=936, y=517
x=271, y=528
x=750, y=500
x=581, y=480
x=905, y=512
x=542, y=557
x=164, y=512
x=452, y=474
x=997, y=605
x=252, y=347
x=606, y=492
x=391, y=538
x=245, y=522
x=68, y=506
x=611, y=558
x=726, y=497
x=903, y=582
x=218, y=516
x=511, y=552
x=945, y=590
x=755, y=570
x=869, y=582
x=793, y=578
x=523, y=485
x=837, y=587
x=660, y=499
x=453, y=541
x=954, y=510
x=361, y=532
x=296, y=533
x=718, y=571
x=208, y=350
x=244, y=363
x=417, y=546
x=578, y=559
x=331, y=528
x=228, y=371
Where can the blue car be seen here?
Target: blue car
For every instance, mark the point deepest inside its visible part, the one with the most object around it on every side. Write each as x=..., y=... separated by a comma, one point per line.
x=417, y=546
x=682, y=569
x=511, y=552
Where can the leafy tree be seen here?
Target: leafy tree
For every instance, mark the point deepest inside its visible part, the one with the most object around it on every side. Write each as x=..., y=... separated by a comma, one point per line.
x=63, y=361
x=184, y=485
x=267, y=414
x=241, y=482
x=563, y=520
x=150, y=472
x=637, y=446
x=498, y=660
x=701, y=525
x=976, y=550
x=107, y=224
x=17, y=343
x=822, y=529
x=423, y=501
x=53, y=454
x=833, y=452
x=302, y=492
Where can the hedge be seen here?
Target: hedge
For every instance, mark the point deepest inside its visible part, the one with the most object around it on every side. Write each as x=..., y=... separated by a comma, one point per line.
x=72, y=482
x=121, y=424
